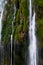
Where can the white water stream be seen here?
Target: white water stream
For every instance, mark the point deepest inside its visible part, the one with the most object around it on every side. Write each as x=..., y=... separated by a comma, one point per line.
x=32, y=46
x=12, y=32
x=1, y=14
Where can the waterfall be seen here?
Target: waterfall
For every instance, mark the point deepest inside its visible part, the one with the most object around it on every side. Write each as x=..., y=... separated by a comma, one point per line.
x=12, y=32
x=32, y=37
x=11, y=48
x=1, y=13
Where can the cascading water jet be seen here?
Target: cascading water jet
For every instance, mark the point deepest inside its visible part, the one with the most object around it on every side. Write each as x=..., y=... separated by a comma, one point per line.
x=1, y=14
x=12, y=32
x=32, y=37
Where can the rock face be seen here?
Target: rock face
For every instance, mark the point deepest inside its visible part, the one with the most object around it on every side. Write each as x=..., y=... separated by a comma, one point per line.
x=39, y=31
x=20, y=34
x=7, y=54
x=40, y=53
x=20, y=51
x=1, y=55
x=20, y=31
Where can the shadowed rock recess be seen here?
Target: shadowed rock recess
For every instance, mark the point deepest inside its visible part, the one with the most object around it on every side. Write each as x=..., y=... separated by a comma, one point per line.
x=20, y=33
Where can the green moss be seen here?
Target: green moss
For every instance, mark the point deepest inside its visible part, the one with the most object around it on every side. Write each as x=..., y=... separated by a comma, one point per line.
x=14, y=1
x=17, y=37
x=39, y=21
x=7, y=22
x=19, y=28
x=18, y=16
x=21, y=18
x=39, y=2
x=40, y=29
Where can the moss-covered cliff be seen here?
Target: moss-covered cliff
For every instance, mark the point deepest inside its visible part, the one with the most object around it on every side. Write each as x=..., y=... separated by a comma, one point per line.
x=20, y=24
x=20, y=27
x=39, y=21
x=20, y=33
x=8, y=16
x=7, y=22
x=39, y=29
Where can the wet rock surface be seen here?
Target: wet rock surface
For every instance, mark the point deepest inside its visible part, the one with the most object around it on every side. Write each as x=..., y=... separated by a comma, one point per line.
x=40, y=56
x=1, y=55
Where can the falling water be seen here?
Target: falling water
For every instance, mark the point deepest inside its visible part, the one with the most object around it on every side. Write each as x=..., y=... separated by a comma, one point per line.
x=11, y=48
x=32, y=47
x=2, y=4
x=12, y=32
x=1, y=14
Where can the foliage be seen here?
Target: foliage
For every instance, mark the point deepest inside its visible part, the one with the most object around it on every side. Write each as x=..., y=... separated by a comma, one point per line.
x=39, y=19
x=20, y=24
x=40, y=29
x=39, y=2
x=21, y=19
x=7, y=22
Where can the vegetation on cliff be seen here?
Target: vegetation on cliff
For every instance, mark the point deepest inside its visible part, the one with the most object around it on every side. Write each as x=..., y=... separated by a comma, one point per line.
x=7, y=22
x=39, y=21
x=20, y=26
x=20, y=22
